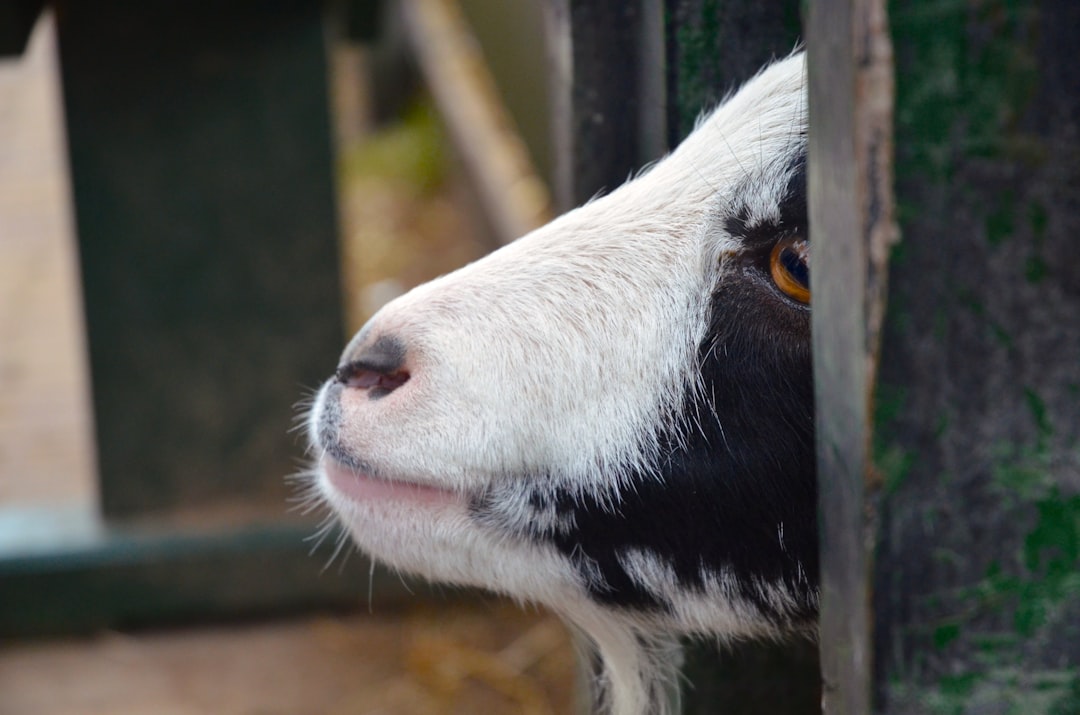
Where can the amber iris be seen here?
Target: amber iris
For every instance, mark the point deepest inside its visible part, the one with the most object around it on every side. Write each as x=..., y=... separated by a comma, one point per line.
x=789, y=264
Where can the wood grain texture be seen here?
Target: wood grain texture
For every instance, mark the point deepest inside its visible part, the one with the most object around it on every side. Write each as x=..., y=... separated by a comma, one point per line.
x=977, y=431
x=850, y=194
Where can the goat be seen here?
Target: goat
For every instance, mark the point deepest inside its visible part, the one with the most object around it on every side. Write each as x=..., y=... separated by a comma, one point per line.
x=613, y=415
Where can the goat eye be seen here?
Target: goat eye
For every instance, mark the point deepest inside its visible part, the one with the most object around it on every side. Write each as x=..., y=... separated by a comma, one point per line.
x=789, y=264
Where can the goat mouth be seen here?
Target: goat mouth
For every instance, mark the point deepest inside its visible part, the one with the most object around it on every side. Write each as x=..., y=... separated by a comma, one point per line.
x=364, y=488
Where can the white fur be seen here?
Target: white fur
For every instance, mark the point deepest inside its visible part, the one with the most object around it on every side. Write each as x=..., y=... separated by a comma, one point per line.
x=564, y=358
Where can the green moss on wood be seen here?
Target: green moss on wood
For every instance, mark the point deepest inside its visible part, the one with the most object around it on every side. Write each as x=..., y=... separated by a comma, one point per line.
x=1035, y=269
x=946, y=634
x=1000, y=223
x=892, y=462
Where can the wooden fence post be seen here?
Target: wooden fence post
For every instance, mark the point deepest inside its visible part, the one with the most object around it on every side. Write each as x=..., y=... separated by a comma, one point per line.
x=204, y=201
x=604, y=94
x=851, y=225
x=951, y=502
x=977, y=425
x=202, y=177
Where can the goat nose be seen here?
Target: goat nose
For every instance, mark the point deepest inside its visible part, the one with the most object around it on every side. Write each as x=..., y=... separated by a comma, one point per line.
x=378, y=368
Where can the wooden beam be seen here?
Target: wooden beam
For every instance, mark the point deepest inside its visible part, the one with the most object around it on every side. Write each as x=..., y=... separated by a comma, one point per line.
x=977, y=426
x=606, y=78
x=64, y=570
x=513, y=196
x=851, y=226
x=201, y=171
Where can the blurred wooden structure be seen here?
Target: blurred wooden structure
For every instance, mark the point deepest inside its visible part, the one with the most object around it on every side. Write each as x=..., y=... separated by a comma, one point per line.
x=204, y=204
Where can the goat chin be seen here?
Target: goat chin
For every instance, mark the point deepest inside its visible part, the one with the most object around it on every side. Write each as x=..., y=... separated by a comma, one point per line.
x=613, y=415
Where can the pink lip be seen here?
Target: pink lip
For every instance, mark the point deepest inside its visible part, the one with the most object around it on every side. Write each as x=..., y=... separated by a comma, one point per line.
x=363, y=488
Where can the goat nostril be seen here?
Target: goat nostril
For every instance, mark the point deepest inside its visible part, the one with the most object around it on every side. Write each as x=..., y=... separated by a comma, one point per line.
x=378, y=368
x=361, y=377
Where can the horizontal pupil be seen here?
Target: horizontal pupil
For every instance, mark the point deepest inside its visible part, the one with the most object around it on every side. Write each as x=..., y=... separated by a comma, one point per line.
x=795, y=266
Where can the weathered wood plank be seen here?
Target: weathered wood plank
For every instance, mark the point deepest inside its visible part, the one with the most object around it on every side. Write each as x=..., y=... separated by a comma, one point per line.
x=977, y=434
x=850, y=94
x=713, y=46
x=604, y=82
x=513, y=197
x=202, y=176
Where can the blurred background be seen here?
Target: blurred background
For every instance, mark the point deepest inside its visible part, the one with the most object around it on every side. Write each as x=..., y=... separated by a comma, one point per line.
x=198, y=205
